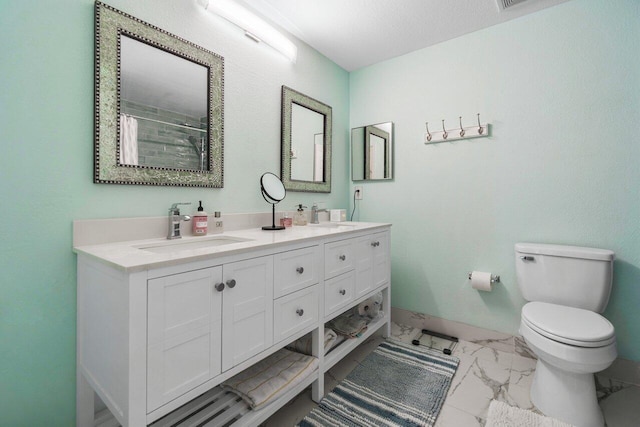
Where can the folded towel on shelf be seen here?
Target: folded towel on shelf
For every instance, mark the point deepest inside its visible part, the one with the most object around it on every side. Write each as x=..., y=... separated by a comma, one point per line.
x=303, y=345
x=349, y=324
x=270, y=378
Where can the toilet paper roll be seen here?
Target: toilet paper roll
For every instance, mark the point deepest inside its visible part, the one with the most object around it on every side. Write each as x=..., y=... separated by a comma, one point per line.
x=481, y=281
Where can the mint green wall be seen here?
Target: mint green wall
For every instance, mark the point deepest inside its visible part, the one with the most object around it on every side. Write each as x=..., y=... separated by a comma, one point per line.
x=562, y=90
x=46, y=171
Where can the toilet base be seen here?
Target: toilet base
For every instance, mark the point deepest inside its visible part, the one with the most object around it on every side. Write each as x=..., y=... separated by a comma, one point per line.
x=567, y=396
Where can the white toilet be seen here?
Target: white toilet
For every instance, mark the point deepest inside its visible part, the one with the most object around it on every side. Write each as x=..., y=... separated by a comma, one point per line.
x=567, y=287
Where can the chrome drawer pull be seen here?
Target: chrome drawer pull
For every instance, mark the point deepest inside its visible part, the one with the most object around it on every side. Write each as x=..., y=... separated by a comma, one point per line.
x=219, y=287
x=526, y=258
x=342, y=292
x=299, y=312
x=342, y=257
x=300, y=270
x=231, y=283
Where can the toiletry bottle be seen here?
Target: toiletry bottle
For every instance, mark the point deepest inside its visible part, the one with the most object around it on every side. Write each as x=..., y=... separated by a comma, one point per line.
x=199, y=222
x=300, y=218
x=286, y=221
x=218, y=225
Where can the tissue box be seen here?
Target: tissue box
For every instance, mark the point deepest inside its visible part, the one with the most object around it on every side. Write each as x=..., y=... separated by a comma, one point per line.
x=337, y=215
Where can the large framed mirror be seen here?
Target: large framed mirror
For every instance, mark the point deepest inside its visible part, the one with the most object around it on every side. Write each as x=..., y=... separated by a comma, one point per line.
x=159, y=104
x=372, y=152
x=306, y=143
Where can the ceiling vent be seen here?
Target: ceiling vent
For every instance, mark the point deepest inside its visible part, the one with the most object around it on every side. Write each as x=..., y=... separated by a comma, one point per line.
x=506, y=4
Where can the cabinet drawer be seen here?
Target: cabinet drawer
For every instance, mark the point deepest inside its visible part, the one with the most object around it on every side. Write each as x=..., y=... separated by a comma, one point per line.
x=338, y=292
x=338, y=258
x=294, y=312
x=295, y=270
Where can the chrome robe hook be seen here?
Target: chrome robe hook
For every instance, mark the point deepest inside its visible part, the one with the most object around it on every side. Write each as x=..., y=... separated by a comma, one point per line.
x=444, y=131
x=429, y=136
x=461, y=130
x=480, y=128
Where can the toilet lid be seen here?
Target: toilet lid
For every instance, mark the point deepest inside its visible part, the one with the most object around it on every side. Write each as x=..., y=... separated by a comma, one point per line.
x=570, y=325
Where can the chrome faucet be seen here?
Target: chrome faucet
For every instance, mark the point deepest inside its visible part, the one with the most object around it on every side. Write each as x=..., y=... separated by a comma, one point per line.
x=314, y=213
x=174, y=221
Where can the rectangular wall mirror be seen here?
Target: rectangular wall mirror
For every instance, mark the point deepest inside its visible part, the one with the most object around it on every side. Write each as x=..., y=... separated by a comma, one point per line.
x=372, y=152
x=159, y=106
x=306, y=143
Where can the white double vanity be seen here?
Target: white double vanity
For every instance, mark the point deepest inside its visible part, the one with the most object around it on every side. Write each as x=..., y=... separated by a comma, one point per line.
x=162, y=323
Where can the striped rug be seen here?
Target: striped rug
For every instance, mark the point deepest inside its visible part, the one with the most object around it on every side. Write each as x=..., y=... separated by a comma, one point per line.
x=396, y=385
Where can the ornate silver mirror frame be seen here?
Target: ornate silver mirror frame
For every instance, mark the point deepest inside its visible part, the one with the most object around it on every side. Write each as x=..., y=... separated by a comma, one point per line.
x=291, y=98
x=111, y=26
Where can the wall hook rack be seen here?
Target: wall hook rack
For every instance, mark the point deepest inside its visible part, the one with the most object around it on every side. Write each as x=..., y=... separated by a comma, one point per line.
x=479, y=131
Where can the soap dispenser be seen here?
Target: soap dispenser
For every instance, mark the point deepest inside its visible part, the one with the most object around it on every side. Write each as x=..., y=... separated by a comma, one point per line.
x=300, y=218
x=200, y=222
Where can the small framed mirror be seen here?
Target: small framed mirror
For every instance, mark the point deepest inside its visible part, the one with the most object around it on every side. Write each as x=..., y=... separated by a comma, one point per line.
x=306, y=143
x=158, y=106
x=372, y=152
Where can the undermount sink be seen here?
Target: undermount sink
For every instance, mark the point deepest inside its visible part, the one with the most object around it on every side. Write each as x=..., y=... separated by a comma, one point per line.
x=336, y=225
x=177, y=246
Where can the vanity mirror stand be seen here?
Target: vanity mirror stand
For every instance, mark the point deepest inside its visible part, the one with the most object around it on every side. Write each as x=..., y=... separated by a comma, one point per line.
x=273, y=192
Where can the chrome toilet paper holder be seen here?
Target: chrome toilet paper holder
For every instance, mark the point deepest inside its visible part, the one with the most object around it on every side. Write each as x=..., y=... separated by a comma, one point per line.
x=494, y=277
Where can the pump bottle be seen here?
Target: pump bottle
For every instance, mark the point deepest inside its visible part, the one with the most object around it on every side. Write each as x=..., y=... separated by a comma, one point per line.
x=300, y=218
x=200, y=222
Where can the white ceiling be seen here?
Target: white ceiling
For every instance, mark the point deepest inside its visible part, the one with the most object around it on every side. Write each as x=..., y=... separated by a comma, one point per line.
x=357, y=33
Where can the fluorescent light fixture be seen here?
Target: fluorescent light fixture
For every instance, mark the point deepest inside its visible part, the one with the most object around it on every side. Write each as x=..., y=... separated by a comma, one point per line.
x=255, y=28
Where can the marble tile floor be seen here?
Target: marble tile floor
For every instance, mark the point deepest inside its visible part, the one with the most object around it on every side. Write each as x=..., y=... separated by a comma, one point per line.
x=488, y=369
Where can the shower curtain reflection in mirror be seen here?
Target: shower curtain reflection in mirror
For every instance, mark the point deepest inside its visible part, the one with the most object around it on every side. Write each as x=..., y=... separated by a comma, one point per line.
x=128, y=140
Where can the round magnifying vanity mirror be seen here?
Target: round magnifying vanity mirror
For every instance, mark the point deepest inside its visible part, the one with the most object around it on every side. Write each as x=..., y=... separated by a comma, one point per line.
x=273, y=192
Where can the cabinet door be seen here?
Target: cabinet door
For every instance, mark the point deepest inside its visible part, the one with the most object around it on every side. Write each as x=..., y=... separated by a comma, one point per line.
x=381, y=259
x=372, y=262
x=183, y=341
x=364, y=265
x=247, y=322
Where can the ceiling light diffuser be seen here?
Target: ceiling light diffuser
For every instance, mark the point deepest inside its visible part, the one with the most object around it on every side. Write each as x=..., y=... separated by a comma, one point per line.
x=254, y=27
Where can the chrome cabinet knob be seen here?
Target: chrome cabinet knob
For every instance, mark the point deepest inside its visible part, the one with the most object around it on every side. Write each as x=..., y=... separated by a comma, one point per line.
x=219, y=287
x=231, y=283
x=300, y=312
x=342, y=257
x=342, y=292
x=300, y=270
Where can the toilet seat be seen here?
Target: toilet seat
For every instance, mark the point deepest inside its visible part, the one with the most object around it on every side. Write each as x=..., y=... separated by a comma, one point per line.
x=568, y=325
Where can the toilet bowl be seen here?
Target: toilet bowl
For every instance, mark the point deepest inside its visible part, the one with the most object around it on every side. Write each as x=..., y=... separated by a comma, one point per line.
x=568, y=287
x=571, y=344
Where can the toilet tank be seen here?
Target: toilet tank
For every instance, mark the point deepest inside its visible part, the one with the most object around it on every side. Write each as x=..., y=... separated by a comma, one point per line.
x=566, y=275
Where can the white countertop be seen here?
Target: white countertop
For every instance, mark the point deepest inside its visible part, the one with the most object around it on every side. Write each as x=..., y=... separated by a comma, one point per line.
x=129, y=256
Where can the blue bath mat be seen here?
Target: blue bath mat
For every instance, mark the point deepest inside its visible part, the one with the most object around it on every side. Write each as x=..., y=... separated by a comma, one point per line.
x=395, y=385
